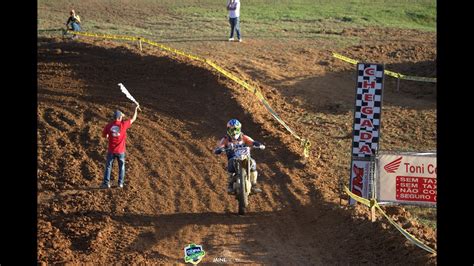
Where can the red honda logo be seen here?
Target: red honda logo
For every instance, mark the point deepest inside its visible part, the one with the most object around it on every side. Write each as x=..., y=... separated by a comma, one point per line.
x=393, y=166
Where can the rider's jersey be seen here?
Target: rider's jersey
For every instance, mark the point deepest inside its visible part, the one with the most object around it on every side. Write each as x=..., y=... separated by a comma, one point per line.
x=226, y=140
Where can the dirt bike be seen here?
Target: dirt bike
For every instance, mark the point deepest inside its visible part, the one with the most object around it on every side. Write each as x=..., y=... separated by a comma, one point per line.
x=242, y=184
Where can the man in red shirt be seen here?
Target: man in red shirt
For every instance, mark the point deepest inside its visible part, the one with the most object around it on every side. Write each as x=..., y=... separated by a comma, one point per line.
x=116, y=133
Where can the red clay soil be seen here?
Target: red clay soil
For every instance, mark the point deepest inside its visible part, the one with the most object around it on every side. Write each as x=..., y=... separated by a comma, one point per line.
x=175, y=186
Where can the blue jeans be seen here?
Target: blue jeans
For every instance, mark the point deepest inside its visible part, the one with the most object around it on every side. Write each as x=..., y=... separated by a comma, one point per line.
x=234, y=25
x=75, y=26
x=108, y=166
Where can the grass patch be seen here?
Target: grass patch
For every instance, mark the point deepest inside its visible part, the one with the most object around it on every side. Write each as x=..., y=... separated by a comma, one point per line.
x=426, y=216
x=167, y=19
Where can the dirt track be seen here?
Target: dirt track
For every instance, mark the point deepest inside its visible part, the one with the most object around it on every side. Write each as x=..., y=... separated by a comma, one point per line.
x=175, y=187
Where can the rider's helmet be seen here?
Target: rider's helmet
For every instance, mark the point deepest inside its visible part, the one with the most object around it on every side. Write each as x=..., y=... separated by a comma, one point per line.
x=233, y=128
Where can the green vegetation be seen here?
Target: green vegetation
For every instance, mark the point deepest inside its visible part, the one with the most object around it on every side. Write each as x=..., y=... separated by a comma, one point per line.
x=424, y=215
x=195, y=19
x=397, y=13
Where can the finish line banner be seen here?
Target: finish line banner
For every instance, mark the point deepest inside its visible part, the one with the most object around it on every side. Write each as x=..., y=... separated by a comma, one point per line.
x=407, y=178
x=366, y=128
x=368, y=108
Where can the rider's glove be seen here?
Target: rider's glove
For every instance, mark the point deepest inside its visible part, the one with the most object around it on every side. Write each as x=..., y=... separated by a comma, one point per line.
x=218, y=150
x=258, y=145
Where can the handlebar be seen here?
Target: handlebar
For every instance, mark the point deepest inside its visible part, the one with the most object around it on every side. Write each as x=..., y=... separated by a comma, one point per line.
x=261, y=147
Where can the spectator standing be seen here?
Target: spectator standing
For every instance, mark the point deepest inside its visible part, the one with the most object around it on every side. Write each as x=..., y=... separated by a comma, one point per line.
x=233, y=6
x=116, y=133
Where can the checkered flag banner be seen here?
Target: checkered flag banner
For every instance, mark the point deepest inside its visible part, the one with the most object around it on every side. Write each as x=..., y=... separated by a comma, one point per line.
x=368, y=108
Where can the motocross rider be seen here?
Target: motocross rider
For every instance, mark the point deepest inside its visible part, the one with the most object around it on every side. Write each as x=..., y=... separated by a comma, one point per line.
x=235, y=136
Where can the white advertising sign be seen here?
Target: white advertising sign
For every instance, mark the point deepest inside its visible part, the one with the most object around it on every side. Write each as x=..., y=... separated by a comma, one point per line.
x=407, y=178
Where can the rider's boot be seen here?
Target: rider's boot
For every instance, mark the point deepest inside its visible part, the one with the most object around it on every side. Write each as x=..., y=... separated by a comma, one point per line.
x=230, y=181
x=253, y=180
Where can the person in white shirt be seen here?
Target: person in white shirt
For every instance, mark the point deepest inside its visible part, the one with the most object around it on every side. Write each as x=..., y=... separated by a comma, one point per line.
x=234, y=13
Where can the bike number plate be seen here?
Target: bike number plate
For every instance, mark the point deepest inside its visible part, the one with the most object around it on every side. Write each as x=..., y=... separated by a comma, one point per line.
x=240, y=152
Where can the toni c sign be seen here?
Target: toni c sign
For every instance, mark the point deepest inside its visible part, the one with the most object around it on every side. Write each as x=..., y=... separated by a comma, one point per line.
x=409, y=178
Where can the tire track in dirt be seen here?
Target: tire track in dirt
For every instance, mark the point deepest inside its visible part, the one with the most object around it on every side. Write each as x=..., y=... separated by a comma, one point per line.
x=175, y=186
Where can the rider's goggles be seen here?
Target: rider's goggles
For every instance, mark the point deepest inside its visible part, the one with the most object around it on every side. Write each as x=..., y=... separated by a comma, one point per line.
x=233, y=131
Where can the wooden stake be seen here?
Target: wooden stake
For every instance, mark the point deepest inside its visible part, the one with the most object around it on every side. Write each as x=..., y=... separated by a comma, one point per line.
x=372, y=210
x=372, y=214
x=140, y=44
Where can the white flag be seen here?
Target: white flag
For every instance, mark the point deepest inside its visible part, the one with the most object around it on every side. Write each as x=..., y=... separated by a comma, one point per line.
x=125, y=91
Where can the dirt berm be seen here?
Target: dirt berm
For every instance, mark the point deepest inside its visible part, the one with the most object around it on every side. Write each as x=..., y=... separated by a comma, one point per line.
x=175, y=186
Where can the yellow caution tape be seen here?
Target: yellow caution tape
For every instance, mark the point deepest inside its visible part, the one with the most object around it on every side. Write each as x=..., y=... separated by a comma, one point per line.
x=306, y=146
x=106, y=36
x=405, y=233
x=434, y=80
x=343, y=58
x=364, y=201
x=393, y=74
x=373, y=203
x=172, y=50
x=388, y=72
x=237, y=80
x=58, y=29
x=304, y=142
